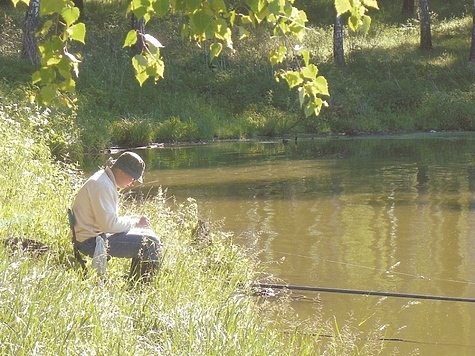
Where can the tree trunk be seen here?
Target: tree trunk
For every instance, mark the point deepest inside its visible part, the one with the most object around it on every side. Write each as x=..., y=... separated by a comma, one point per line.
x=30, y=44
x=139, y=26
x=338, y=50
x=426, y=37
x=472, y=48
x=408, y=7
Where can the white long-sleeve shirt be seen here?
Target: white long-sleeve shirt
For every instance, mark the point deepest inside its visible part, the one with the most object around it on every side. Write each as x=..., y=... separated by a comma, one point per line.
x=96, y=207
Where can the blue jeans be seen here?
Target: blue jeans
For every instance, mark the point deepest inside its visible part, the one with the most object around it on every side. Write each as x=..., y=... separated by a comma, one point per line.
x=139, y=244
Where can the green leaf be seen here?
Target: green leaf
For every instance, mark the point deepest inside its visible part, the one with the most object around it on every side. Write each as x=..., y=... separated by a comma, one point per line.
x=161, y=7
x=220, y=28
x=178, y=5
x=68, y=85
x=15, y=2
x=218, y=5
x=371, y=3
x=139, y=7
x=199, y=21
x=53, y=45
x=322, y=85
x=353, y=22
x=53, y=60
x=246, y=20
x=302, y=95
x=130, y=39
x=139, y=62
x=77, y=32
x=141, y=77
x=281, y=29
x=45, y=28
x=276, y=6
x=36, y=77
x=48, y=7
x=261, y=15
x=46, y=75
x=243, y=33
x=140, y=12
x=256, y=5
x=232, y=17
x=297, y=26
x=48, y=93
x=277, y=55
x=215, y=49
x=159, y=69
x=70, y=15
x=156, y=70
x=185, y=31
x=309, y=108
x=193, y=5
x=306, y=57
x=310, y=71
x=342, y=6
x=293, y=79
x=64, y=68
x=317, y=87
x=366, y=24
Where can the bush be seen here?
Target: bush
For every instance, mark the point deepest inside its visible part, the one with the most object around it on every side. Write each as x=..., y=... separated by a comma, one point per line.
x=131, y=132
x=174, y=130
x=447, y=111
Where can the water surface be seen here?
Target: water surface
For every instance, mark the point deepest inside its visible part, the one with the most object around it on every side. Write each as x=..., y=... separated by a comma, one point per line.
x=393, y=214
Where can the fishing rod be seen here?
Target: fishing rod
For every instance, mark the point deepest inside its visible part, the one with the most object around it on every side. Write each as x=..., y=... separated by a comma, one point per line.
x=361, y=292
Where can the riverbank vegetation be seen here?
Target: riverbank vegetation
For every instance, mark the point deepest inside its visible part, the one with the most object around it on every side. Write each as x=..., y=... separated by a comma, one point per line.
x=388, y=84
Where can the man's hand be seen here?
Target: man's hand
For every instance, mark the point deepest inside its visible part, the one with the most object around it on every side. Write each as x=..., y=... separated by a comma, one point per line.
x=141, y=221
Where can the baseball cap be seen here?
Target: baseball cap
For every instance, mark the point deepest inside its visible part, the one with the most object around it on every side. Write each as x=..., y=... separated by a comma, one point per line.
x=130, y=163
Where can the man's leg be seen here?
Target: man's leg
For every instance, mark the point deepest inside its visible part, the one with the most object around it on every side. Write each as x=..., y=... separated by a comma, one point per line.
x=143, y=249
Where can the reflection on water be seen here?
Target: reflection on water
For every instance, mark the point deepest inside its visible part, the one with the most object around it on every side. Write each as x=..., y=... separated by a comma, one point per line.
x=389, y=214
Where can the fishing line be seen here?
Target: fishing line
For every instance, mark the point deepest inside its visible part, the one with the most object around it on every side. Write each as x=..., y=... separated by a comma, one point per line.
x=387, y=271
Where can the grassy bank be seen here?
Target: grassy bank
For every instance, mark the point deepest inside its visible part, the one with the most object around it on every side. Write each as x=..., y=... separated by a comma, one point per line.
x=387, y=85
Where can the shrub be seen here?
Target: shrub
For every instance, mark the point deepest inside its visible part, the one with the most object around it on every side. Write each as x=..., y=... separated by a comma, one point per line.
x=447, y=111
x=131, y=132
x=173, y=130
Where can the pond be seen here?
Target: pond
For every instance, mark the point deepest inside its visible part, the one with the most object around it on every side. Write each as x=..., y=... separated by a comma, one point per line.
x=384, y=213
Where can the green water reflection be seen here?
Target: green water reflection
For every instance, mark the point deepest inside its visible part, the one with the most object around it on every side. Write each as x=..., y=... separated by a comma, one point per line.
x=376, y=213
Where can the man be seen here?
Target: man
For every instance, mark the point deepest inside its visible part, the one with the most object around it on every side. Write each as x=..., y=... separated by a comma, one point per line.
x=96, y=211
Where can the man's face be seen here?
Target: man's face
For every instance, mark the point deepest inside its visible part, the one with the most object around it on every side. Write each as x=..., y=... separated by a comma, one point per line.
x=123, y=180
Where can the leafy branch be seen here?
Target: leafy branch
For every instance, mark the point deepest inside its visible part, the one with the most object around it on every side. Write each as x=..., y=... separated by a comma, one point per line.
x=208, y=20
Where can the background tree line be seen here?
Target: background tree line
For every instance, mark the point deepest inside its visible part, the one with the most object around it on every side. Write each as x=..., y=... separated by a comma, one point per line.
x=386, y=83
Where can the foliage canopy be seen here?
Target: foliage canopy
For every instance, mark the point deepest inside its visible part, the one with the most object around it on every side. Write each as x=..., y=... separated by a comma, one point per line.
x=208, y=20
